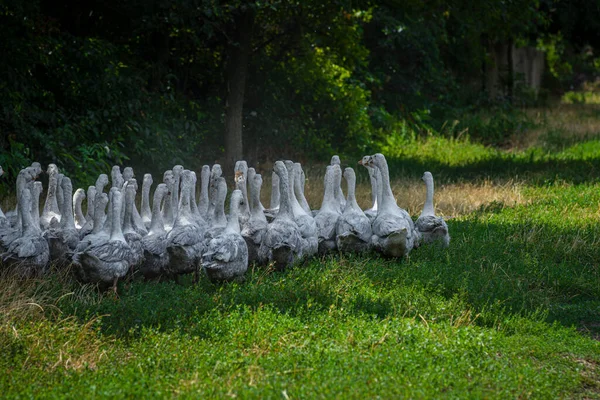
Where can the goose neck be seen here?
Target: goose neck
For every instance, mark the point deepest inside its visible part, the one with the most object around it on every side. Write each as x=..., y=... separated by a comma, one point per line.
x=67, y=221
x=157, y=224
x=428, y=207
x=145, y=206
x=116, y=232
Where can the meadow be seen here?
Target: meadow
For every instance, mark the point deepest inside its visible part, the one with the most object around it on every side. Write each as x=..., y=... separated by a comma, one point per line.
x=510, y=309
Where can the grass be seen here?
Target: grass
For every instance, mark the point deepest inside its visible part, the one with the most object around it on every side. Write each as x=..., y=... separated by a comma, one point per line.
x=510, y=309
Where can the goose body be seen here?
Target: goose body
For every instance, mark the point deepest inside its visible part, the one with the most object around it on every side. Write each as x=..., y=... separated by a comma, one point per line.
x=281, y=241
x=226, y=256
x=29, y=252
x=431, y=227
x=78, y=198
x=256, y=227
x=154, y=244
x=185, y=240
x=204, y=182
x=146, y=212
x=327, y=216
x=353, y=228
x=393, y=229
x=63, y=240
x=51, y=209
x=309, y=245
x=108, y=260
x=132, y=237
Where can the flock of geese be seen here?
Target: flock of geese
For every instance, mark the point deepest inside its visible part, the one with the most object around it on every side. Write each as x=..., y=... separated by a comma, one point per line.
x=175, y=234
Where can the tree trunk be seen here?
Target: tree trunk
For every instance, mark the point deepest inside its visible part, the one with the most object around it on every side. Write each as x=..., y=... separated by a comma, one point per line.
x=237, y=67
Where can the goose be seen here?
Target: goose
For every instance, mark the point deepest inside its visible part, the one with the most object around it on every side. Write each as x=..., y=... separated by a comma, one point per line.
x=132, y=237
x=218, y=220
x=63, y=239
x=36, y=192
x=299, y=190
x=29, y=252
x=3, y=220
x=145, y=206
x=432, y=228
x=12, y=230
x=281, y=241
x=215, y=174
x=254, y=230
x=226, y=256
x=106, y=261
x=193, y=205
x=353, y=228
x=25, y=176
x=329, y=212
x=307, y=226
x=59, y=192
x=393, y=229
x=136, y=218
x=91, y=196
x=241, y=176
x=116, y=177
x=101, y=225
x=168, y=209
x=337, y=188
x=128, y=174
x=203, y=201
x=92, y=193
x=251, y=175
x=371, y=213
x=185, y=240
x=78, y=198
x=273, y=209
x=156, y=257
x=51, y=209
x=177, y=171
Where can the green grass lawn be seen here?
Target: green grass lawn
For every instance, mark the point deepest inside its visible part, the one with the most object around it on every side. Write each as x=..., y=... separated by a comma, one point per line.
x=511, y=309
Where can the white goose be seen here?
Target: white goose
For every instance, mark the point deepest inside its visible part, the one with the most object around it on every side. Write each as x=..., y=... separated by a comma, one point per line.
x=13, y=229
x=256, y=227
x=273, y=209
x=309, y=244
x=98, y=232
x=168, y=211
x=353, y=228
x=116, y=177
x=156, y=257
x=78, y=198
x=282, y=240
x=226, y=256
x=63, y=240
x=371, y=213
x=146, y=213
x=218, y=220
x=51, y=209
x=29, y=252
x=132, y=237
x=329, y=212
x=184, y=241
x=203, y=201
x=431, y=227
x=89, y=213
x=337, y=186
x=393, y=229
x=299, y=183
x=108, y=260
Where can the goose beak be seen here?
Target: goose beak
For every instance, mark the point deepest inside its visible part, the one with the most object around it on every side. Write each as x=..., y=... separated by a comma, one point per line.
x=360, y=162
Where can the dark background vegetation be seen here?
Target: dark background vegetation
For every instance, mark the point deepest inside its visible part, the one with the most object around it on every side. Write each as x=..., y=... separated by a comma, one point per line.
x=152, y=83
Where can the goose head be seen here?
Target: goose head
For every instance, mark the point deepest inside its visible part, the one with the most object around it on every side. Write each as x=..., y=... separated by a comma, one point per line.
x=147, y=179
x=37, y=169
x=128, y=173
x=52, y=169
x=102, y=180
x=364, y=161
x=335, y=160
x=427, y=177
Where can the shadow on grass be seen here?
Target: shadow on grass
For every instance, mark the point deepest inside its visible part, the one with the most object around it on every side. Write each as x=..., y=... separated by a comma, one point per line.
x=495, y=270
x=532, y=170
